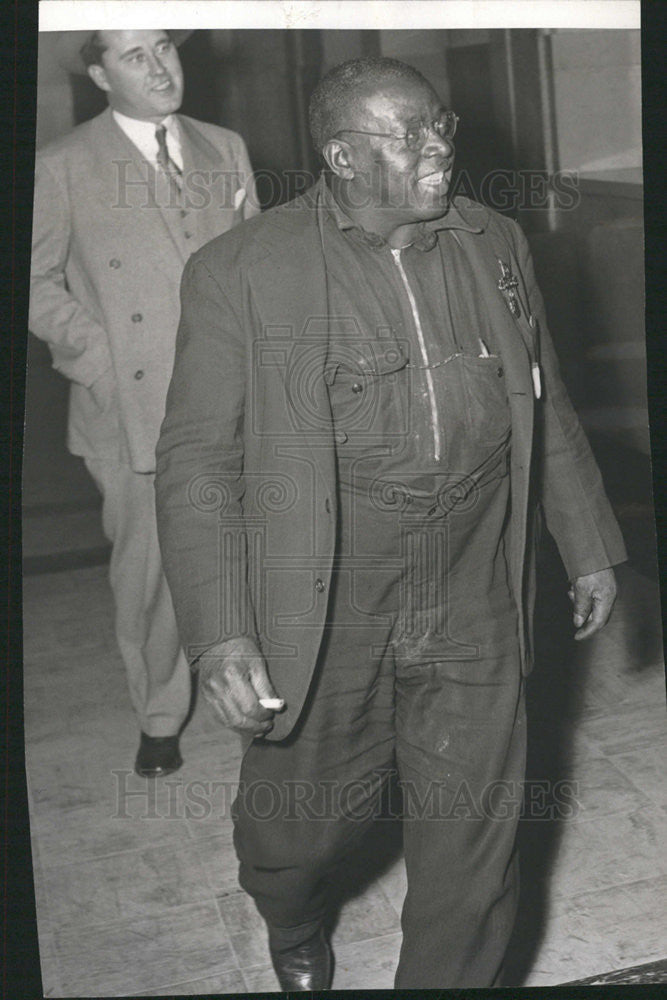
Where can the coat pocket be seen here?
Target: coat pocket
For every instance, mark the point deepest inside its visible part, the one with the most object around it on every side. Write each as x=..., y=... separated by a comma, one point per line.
x=367, y=387
x=487, y=407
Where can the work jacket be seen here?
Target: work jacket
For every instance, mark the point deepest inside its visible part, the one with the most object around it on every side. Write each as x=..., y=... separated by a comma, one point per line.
x=246, y=470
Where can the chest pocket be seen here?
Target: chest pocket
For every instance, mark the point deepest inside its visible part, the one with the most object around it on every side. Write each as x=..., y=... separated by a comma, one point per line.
x=368, y=386
x=486, y=404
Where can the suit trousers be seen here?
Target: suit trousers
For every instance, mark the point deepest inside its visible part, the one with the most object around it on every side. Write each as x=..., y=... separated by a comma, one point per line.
x=452, y=725
x=158, y=674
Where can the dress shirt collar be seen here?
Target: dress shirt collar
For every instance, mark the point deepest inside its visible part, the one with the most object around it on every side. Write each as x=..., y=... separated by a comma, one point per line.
x=426, y=239
x=142, y=134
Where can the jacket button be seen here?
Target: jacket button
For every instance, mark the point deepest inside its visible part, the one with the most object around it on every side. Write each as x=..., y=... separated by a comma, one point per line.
x=139, y=375
x=357, y=387
x=114, y=262
x=188, y=236
x=500, y=373
x=137, y=317
x=319, y=585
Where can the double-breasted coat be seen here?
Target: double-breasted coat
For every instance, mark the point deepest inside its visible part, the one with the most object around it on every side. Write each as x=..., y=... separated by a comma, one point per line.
x=246, y=470
x=109, y=247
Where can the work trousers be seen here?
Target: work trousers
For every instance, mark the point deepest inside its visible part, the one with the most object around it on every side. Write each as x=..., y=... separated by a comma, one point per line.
x=449, y=718
x=157, y=671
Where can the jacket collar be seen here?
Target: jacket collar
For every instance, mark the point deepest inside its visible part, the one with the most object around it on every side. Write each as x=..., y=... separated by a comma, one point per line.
x=461, y=214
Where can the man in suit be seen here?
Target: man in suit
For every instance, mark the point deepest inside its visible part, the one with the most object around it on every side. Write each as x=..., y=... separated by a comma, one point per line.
x=364, y=418
x=120, y=204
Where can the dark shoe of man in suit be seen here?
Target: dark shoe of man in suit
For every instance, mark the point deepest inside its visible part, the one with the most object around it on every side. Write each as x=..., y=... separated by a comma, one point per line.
x=309, y=966
x=157, y=756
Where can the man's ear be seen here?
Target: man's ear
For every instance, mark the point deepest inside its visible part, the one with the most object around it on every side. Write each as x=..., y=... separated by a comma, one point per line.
x=339, y=157
x=98, y=76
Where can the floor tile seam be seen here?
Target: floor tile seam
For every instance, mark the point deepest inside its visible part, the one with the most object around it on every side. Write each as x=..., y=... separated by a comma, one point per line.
x=620, y=810
x=88, y=923
x=39, y=812
x=380, y=888
x=101, y=857
x=612, y=957
x=231, y=939
x=212, y=887
x=648, y=880
x=129, y=921
x=576, y=821
x=559, y=897
x=42, y=814
x=557, y=894
x=633, y=781
x=619, y=712
x=396, y=909
x=258, y=968
x=56, y=961
x=178, y=848
x=627, y=771
x=186, y=982
x=338, y=948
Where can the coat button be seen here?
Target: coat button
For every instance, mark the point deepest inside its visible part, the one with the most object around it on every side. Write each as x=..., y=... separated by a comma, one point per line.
x=137, y=317
x=319, y=585
x=139, y=375
x=114, y=262
x=357, y=387
x=500, y=373
x=188, y=236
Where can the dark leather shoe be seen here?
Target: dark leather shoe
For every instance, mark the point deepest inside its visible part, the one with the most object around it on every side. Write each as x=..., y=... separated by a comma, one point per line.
x=157, y=756
x=309, y=966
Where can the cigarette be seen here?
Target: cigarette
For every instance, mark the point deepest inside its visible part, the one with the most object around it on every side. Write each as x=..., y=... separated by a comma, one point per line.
x=275, y=704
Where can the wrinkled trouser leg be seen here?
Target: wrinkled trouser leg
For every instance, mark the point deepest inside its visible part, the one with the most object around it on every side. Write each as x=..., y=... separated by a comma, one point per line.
x=461, y=760
x=157, y=671
x=454, y=728
x=304, y=803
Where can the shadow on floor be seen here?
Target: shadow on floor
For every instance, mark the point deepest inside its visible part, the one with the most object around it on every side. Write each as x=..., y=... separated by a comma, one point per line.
x=555, y=702
x=379, y=850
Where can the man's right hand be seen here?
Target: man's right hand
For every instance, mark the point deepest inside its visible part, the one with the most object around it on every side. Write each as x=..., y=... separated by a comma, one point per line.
x=232, y=678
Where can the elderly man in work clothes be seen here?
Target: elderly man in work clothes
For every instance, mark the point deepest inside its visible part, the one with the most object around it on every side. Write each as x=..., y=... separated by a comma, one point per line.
x=364, y=412
x=120, y=204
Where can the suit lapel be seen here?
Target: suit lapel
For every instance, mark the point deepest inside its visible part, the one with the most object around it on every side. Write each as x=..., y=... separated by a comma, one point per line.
x=133, y=193
x=515, y=345
x=513, y=340
x=211, y=181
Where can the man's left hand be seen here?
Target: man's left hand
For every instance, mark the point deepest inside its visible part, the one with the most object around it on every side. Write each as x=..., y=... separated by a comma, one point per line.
x=593, y=597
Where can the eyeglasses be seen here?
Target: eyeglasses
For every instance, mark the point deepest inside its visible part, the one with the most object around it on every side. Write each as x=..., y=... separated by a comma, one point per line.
x=416, y=135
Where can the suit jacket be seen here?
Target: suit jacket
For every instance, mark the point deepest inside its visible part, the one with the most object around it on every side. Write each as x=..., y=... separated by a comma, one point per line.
x=246, y=478
x=109, y=246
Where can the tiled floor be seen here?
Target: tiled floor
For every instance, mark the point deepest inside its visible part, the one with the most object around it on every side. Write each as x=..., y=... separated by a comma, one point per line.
x=136, y=882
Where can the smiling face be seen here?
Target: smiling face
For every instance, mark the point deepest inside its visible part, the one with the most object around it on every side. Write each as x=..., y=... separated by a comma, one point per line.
x=405, y=186
x=141, y=73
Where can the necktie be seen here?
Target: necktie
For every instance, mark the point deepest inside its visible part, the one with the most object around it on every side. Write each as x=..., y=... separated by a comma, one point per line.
x=165, y=162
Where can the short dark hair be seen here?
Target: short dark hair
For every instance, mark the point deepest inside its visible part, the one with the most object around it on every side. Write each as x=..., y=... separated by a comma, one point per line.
x=92, y=50
x=336, y=93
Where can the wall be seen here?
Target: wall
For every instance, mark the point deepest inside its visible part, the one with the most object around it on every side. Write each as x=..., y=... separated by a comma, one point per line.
x=55, y=103
x=597, y=90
